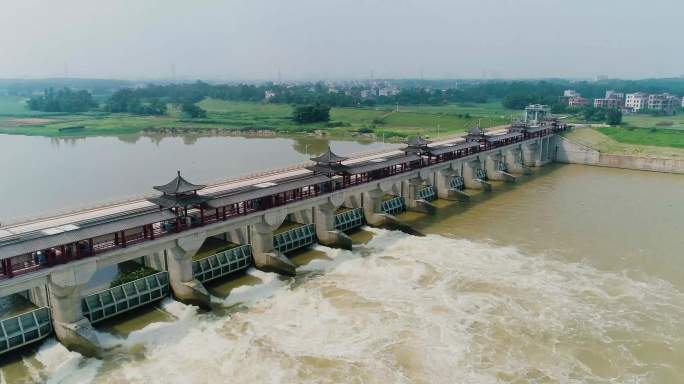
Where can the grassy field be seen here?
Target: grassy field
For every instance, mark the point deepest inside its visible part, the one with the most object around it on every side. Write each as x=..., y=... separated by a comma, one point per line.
x=675, y=122
x=642, y=136
x=385, y=121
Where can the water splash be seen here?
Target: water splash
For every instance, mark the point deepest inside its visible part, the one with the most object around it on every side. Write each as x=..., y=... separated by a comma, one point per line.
x=422, y=310
x=403, y=309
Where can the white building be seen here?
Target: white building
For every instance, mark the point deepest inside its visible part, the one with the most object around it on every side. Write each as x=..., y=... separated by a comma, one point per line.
x=571, y=93
x=388, y=91
x=636, y=101
x=618, y=96
x=663, y=102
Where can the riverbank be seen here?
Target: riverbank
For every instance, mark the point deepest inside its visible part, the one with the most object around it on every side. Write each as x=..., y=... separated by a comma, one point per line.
x=589, y=147
x=380, y=123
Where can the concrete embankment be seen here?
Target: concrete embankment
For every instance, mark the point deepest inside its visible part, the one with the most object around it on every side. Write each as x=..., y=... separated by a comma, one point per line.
x=574, y=153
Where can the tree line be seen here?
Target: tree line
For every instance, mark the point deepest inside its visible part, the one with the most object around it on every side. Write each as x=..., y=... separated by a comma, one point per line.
x=62, y=100
x=153, y=98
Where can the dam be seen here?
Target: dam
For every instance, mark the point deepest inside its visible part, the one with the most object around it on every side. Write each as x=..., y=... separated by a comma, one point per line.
x=189, y=234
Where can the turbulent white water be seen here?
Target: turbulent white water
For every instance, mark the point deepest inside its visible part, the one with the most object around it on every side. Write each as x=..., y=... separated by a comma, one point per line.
x=414, y=310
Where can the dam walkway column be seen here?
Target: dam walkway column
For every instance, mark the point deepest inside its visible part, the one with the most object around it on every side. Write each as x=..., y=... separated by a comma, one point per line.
x=449, y=184
x=496, y=168
x=474, y=176
x=72, y=329
x=531, y=153
x=372, y=210
x=266, y=257
x=326, y=231
x=514, y=162
x=185, y=287
x=414, y=202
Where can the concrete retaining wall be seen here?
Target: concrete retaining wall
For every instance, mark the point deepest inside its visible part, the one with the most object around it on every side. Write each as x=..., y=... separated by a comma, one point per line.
x=573, y=153
x=654, y=164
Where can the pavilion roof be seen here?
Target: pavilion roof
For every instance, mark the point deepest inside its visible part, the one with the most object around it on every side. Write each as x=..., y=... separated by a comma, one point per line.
x=178, y=186
x=328, y=158
x=416, y=145
x=417, y=141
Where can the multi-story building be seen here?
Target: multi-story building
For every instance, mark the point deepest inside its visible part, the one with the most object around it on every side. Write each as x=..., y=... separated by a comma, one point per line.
x=663, y=102
x=578, y=101
x=619, y=96
x=636, y=101
x=607, y=103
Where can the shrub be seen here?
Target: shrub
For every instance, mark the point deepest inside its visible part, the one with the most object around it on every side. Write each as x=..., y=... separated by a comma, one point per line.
x=127, y=277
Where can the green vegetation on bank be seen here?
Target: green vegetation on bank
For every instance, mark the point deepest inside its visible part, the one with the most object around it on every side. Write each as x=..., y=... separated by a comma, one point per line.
x=62, y=100
x=642, y=136
x=249, y=117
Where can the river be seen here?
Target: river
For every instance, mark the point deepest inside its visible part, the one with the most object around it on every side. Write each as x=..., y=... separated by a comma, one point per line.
x=575, y=274
x=42, y=175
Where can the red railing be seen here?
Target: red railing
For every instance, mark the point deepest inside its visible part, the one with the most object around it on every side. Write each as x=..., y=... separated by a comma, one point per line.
x=22, y=264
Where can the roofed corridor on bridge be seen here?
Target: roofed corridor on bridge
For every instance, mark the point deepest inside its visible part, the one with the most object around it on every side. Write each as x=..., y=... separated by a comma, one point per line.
x=182, y=206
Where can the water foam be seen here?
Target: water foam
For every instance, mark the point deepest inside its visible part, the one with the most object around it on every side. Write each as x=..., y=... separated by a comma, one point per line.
x=62, y=366
x=416, y=310
x=427, y=309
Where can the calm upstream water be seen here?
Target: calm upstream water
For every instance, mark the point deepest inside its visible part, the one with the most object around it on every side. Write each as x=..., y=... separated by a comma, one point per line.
x=574, y=275
x=42, y=175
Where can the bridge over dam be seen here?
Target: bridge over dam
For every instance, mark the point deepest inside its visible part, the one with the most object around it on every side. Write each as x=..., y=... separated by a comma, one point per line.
x=190, y=234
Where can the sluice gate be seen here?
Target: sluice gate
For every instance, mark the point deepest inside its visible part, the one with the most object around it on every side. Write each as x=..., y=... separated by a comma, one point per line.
x=123, y=298
x=394, y=205
x=294, y=238
x=223, y=263
x=26, y=328
x=427, y=193
x=457, y=183
x=349, y=219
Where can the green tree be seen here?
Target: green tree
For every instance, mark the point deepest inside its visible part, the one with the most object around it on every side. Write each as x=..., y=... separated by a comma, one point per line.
x=613, y=117
x=63, y=100
x=304, y=114
x=193, y=111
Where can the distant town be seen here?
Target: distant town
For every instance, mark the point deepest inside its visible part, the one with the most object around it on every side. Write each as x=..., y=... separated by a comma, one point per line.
x=662, y=103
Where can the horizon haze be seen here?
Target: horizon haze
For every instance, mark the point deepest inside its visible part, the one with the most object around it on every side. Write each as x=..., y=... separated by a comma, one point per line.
x=266, y=39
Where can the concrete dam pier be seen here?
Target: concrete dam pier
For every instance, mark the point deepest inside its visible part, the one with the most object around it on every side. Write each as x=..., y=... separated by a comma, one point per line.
x=190, y=234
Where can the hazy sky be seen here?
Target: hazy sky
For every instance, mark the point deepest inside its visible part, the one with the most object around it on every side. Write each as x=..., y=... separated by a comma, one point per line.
x=254, y=39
